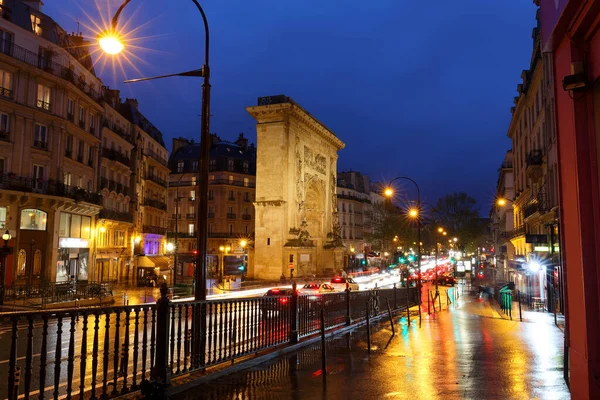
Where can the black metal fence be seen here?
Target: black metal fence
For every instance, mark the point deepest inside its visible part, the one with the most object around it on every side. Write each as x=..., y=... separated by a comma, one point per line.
x=52, y=292
x=99, y=352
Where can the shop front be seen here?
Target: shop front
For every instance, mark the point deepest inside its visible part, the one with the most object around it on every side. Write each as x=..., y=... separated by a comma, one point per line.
x=31, y=251
x=73, y=260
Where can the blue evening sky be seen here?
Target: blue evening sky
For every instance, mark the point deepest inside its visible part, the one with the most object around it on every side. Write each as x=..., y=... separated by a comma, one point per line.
x=417, y=88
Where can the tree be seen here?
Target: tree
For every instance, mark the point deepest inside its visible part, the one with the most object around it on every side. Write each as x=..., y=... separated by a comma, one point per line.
x=458, y=214
x=390, y=222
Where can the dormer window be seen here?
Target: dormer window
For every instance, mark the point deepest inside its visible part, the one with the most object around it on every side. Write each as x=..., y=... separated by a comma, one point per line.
x=36, y=24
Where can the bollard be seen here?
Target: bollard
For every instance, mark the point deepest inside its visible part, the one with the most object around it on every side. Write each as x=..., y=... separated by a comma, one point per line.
x=439, y=300
x=509, y=296
x=390, y=315
x=448, y=301
x=323, y=350
x=160, y=372
x=520, y=312
x=368, y=330
x=428, y=303
x=395, y=296
x=407, y=307
x=348, y=314
x=124, y=298
x=418, y=294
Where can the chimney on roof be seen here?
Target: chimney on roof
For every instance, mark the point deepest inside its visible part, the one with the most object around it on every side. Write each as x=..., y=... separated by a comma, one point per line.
x=242, y=142
x=214, y=139
x=34, y=4
x=179, y=143
x=133, y=102
x=112, y=96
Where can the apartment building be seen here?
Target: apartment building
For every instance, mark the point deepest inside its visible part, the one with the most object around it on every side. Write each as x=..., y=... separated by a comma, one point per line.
x=231, y=193
x=50, y=112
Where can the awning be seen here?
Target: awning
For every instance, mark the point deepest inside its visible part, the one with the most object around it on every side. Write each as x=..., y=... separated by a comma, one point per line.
x=161, y=262
x=144, y=262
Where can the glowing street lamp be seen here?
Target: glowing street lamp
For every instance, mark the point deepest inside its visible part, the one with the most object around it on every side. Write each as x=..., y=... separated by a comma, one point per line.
x=413, y=213
x=112, y=43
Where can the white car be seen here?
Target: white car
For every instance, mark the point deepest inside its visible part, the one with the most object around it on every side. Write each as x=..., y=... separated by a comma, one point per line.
x=339, y=284
x=316, y=288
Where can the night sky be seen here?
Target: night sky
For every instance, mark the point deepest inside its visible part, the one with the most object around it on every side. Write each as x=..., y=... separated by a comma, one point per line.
x=417, y=88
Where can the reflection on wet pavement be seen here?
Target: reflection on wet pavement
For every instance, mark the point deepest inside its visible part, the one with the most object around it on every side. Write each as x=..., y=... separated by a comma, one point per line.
x=464, y=353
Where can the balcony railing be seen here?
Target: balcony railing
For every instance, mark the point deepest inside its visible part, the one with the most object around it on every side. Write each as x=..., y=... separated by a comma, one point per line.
x=10, y=49
x=71, y=117
x=211, y=215
x=232, y=183
x=82, y=124
x=114, y=155
x=518, y=231
x=49, y=187
x=117, y=130
x=534, y=158
x=155, y=203
x=157, y=180
x=38, y=144
x=4, y=136
x=190, y=215
x=231, y=215
x=4, y=92
x=116, y=215
x=352, y=197
x=155, y=156
x=44, y=105
x=158, y=230
x=68, y=153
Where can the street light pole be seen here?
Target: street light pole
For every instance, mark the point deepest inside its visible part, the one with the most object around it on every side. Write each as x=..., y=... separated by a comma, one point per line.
x=111, y=43
x=418, y=216
x=5, y=252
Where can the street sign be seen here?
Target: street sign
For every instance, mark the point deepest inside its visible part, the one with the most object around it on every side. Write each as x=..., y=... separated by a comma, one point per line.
x=291, y=265
x=460, y=266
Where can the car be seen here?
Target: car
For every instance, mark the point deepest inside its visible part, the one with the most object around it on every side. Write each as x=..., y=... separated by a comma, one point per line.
x=445, y=280
x=339, y=284
x=283, y=299
x=316, y=288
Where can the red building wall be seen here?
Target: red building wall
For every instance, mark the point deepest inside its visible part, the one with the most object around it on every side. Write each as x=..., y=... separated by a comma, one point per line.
x=575, y=39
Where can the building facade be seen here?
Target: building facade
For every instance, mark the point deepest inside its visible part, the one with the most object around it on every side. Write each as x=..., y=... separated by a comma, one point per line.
x=502, y=218
x=570, y=36
x=150, y=174
x=535, y=205
x=114, y=247
x=356, y=215
x=231, y=193
x=50, y=113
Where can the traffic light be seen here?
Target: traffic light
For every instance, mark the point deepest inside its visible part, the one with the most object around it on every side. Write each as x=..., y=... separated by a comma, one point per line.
x=402, y=260
x=195, y=252
x=411, y=258
x=241, y=267
x=363, y=262
x=452, y=260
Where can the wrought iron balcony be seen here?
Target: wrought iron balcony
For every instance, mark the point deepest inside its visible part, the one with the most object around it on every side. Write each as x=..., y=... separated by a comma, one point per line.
x=4, y=136
x=116, y=215
x=157, y=180
x=4, y=92
x=50, y=187
x=232, y=183
x=211, y=215
x=10, y=49
x=155, y=203
x=231, y=215
x=155, y=156
x=114, y=155
x=246, y=216
x=158, y=230
x=38, y=144
x=44, y=105
x=534, y=158
x=190, y=215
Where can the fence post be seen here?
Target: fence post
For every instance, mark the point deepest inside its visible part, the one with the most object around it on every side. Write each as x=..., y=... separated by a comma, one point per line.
x=368, y=328
x=509, y=296
x=294, y=335
x=520, y=312
x=407, y=306
x=323, y=348
x=395, y=297
x=348, y=315
x=160, y=369
x=428, y=304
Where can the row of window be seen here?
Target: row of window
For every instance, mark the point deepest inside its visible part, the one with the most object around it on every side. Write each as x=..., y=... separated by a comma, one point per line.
x=111, y=238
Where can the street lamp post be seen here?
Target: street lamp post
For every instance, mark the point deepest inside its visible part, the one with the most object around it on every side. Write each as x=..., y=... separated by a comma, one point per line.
x=5, y=252
x=441, y=231
x=414, y=214
x=112, y=44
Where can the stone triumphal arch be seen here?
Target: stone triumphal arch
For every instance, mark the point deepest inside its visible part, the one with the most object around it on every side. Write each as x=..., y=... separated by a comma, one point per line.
x=296, y=205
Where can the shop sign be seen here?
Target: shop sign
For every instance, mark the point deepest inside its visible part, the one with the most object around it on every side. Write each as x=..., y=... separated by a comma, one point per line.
x=73, y=243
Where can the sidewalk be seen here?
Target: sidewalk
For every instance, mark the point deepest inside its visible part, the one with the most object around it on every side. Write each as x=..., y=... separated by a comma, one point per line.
x=466, y=352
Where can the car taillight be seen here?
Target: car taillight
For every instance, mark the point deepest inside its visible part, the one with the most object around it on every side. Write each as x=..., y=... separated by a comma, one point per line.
x=283, y=300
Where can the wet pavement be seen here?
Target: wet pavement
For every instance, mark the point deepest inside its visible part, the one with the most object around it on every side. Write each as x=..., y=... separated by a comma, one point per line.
x=468, y=351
